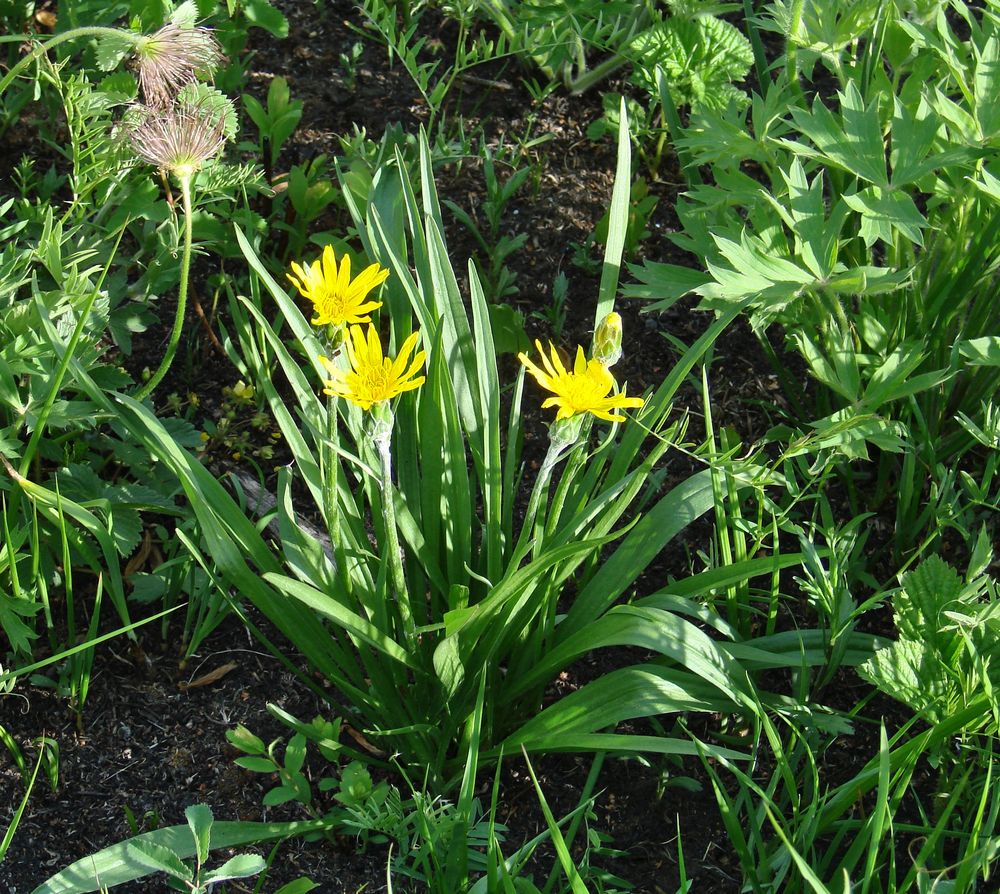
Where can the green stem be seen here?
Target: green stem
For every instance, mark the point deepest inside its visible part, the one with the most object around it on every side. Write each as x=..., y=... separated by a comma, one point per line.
x=639, y=19
x=791, y=50
x=392, y=541
x=41, y=49
x=65, y=361
x=573, y=464
x=552, y=456
x=759, y=56
x=331, y=475
x=672, y=122
x=182, y=290
x=574, y=826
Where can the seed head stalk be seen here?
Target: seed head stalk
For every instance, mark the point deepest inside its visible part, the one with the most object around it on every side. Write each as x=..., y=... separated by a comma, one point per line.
x=175, y=334
x=52, y=42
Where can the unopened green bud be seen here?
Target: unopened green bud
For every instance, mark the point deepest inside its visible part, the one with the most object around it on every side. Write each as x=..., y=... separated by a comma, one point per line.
x=380, y=422
x=566, y=432
x=608, y=340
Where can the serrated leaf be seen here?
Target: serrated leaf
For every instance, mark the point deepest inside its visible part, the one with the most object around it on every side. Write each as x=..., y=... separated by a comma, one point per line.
x=805, y=214
x=914, y=134
x=851, y=141
x=126, y=528
x=146, y=588
x=240, y=866
x=157, y=858
x=751, y=268
x=112, y=50
x=119, y=87
x=185, y=15
x=701, y=57
x=182, y=432
x=263, y=15
x=909, y=674
x=924, y=594
x=200, y=819
x=664, y=284
x=206, y=97
x=884, y=213
x=18, y=633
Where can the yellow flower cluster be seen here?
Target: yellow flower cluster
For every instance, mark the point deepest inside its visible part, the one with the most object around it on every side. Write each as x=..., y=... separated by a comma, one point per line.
x=373, y=378
x=342, y=302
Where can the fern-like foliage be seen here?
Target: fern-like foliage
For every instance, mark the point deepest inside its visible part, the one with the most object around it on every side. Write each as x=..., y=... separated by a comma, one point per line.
x=947, y=647
x=222, y=181
x=557, y=34
x=96, y=155
x=213, y=101
x=702, y=58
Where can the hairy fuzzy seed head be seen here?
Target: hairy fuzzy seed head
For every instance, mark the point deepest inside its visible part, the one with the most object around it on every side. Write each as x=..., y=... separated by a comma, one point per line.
x=172, y=58
x=179, y=140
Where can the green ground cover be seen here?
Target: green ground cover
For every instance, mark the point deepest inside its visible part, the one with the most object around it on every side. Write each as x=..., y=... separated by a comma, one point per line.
x=458, y=517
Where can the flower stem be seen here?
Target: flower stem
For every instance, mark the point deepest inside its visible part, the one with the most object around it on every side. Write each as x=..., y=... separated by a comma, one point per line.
x=392, y=542
x=41, y=49
x=182, y=289
x=525, y=538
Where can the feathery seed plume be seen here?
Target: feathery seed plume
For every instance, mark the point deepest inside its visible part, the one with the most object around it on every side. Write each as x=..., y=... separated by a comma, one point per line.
x=179, y=139
x=172, y=58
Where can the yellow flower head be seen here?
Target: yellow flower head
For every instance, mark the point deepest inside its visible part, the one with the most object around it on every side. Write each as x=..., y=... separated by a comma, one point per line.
x=336, y=299
x=584, y=390
x=373, y=378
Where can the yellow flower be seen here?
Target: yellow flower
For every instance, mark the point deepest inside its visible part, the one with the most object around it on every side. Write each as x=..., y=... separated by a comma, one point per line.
x=336, y=299
x=584, y=390
x=373, y=378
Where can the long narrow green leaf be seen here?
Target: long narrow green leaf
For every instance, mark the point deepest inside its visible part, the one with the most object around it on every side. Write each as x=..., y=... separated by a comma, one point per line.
x=657, y=527
x=624, y=744
x=618, y=220
x=645, y=628
x=489, y=401
x=562, y=852
x=356, y=625
x=625, y=694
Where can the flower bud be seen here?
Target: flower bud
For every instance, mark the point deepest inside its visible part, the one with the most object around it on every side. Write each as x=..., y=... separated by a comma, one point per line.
x=566, y=432
x=608, y=340
x=380, y=423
